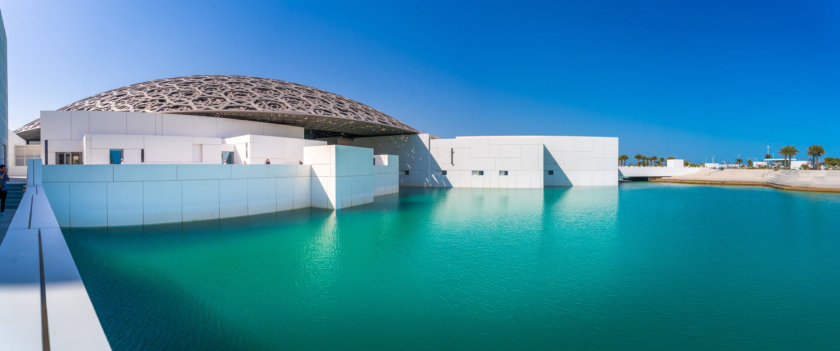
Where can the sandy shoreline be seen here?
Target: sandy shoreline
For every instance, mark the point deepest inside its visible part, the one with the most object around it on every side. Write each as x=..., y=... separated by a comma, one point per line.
x=793, y=180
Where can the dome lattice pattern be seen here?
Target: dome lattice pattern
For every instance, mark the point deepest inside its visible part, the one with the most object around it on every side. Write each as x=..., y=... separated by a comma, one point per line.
x=250, y=98
x=30, y=131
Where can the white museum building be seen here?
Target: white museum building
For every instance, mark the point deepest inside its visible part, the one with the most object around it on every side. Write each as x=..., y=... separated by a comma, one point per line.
x=124, y=154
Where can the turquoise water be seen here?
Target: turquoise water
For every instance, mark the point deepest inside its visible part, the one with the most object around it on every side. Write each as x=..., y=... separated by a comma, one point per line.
x=642, y=266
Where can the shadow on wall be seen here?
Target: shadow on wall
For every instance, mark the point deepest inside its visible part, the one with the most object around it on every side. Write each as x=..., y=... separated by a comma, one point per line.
x=435, y=176
x=415, y=158
x=558, y=178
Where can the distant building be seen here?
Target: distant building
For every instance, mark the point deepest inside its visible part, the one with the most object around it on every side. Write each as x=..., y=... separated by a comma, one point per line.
x=781, y=162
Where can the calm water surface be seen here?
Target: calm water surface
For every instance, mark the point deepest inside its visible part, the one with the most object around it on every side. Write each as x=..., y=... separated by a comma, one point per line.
x=641, y=266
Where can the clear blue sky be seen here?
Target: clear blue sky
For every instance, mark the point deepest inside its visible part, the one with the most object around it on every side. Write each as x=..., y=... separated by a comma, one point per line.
x=669, y=78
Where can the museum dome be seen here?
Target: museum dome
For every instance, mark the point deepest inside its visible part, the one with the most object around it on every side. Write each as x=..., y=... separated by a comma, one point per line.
x=320, y=112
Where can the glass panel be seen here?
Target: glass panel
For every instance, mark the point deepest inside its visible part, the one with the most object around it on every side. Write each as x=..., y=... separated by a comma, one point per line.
x=27, y=152
x=227, y=157
x=116, y=156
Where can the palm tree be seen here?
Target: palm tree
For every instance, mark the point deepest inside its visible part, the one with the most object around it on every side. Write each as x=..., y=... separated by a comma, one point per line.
x=749, y=163
x=652, y=159
x=815, y=151
x=789, y=151
x=768, y=156
x=739, y=162
x=793, y=152
x=639, y=158
x=622, y=160
x=661, y=161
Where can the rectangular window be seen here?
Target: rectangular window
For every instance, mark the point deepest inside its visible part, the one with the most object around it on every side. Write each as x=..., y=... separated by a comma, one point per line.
x=24, y=153
x=227, y=157
x=480, y=173
x=442, y=172
x=68, y=158
x=550, y=172
x=116, y=156
x=503, y=173
x=405, y=172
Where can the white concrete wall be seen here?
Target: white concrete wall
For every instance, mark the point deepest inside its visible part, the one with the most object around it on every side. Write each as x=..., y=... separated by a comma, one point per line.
x=342, y=176
x=156, y=149
x=386, y=175
x=63, y=131
x=581, y=161
x=278, y=150
x=414, y=156
x=520, y=157
x=574, y=161
x=120, y=195
x=34, y=253
x=14, y=170
x=190, y=150
x=655, y=172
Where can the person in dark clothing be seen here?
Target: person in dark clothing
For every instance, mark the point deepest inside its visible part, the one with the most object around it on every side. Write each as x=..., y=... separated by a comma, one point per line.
x=4, y=177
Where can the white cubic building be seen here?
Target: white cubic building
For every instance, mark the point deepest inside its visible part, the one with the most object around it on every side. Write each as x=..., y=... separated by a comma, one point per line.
x=350, y=151
x=500, y=161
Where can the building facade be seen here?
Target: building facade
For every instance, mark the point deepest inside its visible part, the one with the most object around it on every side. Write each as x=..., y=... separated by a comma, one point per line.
x=501, y=161
x=344, y=153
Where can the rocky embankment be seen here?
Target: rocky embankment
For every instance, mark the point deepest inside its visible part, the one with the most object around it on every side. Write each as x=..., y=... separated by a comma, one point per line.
x=820, y=181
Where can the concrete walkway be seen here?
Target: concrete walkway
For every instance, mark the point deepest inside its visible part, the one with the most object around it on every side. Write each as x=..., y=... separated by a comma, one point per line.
x=43, y=302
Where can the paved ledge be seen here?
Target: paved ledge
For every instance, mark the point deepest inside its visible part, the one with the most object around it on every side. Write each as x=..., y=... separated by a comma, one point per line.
x=43, y=302
x=20, y=291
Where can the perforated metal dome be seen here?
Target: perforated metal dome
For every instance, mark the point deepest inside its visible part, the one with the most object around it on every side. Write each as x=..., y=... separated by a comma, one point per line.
x=249, y=98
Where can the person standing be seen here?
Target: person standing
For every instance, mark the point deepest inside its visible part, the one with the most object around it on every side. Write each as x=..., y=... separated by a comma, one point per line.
x=4, y=177
x=267, y=162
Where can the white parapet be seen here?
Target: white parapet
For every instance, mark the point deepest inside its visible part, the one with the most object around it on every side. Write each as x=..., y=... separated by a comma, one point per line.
x=38, y=278
x=122, y=195
x=141, y=194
